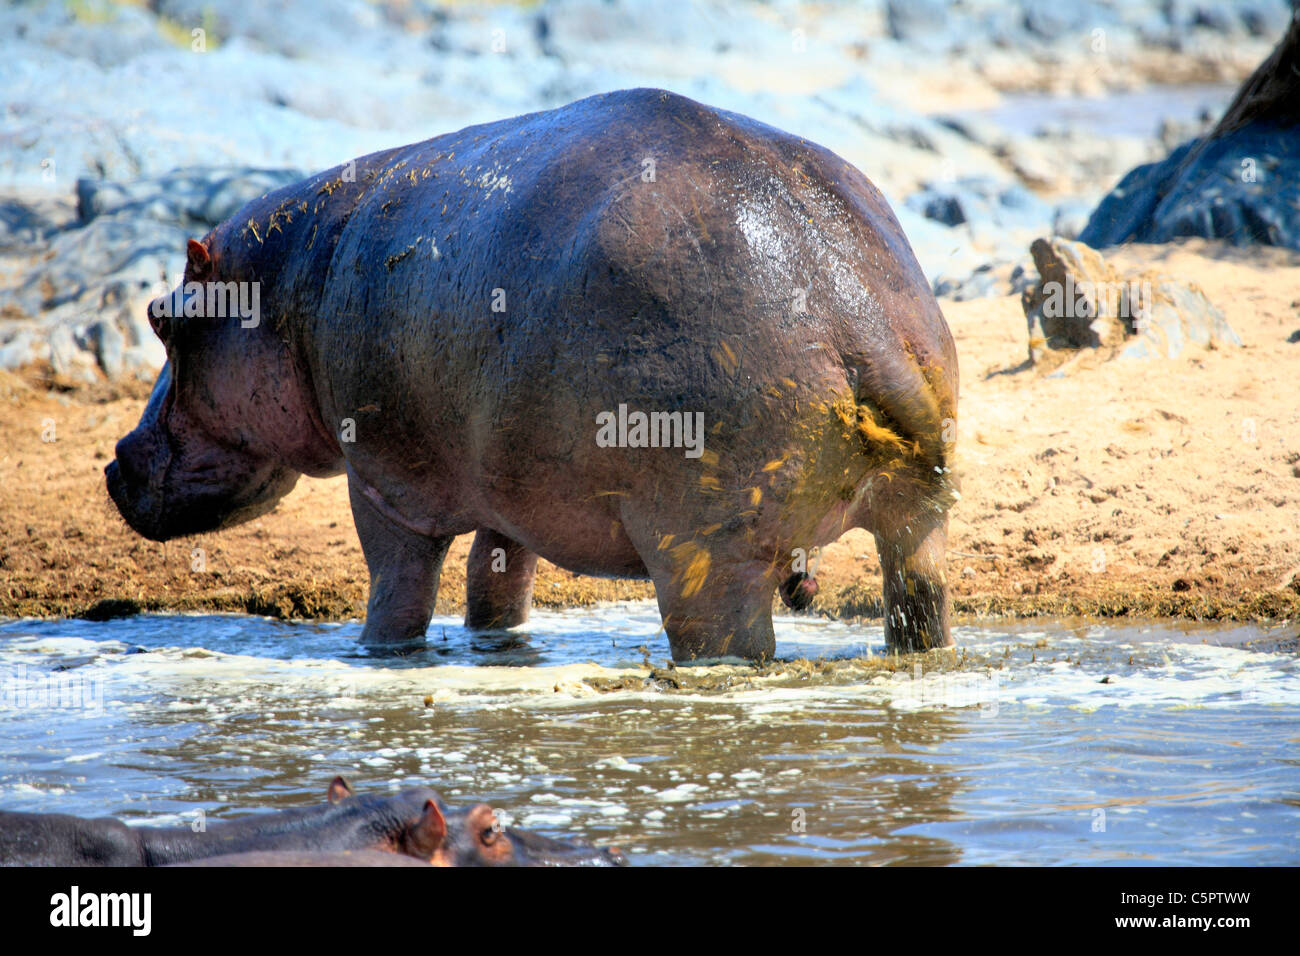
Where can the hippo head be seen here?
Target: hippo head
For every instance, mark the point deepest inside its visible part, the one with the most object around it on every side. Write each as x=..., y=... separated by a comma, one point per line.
x=475, y=837
x=226, y=422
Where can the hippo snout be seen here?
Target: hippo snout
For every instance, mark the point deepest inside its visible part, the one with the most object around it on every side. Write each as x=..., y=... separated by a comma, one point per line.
x=131, y=461
x=614, y=857
x=798, y=590
x=127, y=478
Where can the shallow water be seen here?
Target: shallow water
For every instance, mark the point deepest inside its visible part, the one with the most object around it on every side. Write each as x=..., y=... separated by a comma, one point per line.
x=1136, y=113
x=1055, y=742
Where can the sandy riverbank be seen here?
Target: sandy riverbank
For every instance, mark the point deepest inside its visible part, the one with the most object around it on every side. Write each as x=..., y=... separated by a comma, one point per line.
x=1168, y=488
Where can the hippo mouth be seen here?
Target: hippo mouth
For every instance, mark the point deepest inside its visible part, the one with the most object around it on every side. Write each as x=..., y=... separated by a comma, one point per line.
x=152, y=517
x=141, y=520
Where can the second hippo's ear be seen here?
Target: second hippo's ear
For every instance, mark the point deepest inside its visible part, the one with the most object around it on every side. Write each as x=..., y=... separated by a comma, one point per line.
x=425, y=837
x=200, y=262
x=339, y=790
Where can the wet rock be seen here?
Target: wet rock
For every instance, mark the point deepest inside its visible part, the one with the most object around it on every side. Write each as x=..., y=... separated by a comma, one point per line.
x=81, y=261
x=1081, y=302
x=196, y=197
x=1239, y=183
x=1243, y=188
x=89, y=290
x=108, y=344
x=980, y=199
x=26, y=223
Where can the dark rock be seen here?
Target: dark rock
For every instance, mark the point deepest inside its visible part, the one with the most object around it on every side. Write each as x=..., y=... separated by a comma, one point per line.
x=1239, y=183
x=1243, y=188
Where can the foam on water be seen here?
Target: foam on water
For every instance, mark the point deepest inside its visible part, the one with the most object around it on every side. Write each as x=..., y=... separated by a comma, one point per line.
x=1054, y=743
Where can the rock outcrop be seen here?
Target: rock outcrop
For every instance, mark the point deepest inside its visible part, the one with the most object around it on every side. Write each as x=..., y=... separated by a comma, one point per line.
x=1081, y=302
x=1240, y=183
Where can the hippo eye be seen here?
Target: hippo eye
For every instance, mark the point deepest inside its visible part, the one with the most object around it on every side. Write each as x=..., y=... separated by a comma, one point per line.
x=489, y=835
x=161, y=319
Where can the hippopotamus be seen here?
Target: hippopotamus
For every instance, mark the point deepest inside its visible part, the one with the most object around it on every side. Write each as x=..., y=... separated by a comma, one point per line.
x=346, y=830
x=313, y=858
x=636, y=335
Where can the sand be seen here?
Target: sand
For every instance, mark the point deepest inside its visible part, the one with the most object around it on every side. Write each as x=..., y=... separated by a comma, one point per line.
x=1163, y=488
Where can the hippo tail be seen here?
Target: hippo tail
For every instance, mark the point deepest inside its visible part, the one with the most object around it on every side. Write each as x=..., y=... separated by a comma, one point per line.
x=905, y=408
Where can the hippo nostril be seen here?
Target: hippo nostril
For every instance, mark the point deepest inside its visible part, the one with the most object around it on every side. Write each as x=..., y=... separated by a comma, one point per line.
x=130, y=459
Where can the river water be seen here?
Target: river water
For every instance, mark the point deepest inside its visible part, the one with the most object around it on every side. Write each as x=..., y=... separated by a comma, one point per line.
x=1051, y=742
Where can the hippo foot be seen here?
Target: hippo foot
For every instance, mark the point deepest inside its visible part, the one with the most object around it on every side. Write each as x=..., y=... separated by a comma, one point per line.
x=391, y=649
x=405, y=566
x=918, y=607
x=727, y=614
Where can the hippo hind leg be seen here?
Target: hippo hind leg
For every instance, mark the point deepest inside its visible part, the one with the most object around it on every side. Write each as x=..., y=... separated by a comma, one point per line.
x=726, y=614
x=499, y=582
x=713, y=608
x=404, y=570
x=917, y=603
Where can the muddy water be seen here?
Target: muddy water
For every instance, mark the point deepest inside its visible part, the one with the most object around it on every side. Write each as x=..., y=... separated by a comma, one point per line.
x=1050, y=743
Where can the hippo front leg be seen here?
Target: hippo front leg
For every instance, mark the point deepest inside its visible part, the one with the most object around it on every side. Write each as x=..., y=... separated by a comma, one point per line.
x=499, y=582
x=405, y=566
x=917, y=603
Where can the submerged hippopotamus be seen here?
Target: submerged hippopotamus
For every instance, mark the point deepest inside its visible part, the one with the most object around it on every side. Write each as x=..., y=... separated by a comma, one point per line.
x=296, y=858
x=345, y=831
x=635, y=335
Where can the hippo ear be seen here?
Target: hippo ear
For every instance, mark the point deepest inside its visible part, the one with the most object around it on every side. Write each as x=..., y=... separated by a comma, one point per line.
x=339, y=790
x=200, y=262
x=426, y=836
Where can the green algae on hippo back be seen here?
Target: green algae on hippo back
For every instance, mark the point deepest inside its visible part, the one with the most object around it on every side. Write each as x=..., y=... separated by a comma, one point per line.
x=455, y=324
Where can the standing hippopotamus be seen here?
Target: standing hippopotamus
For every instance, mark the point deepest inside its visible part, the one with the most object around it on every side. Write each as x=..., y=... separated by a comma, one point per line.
x=347, y=830
x=636, y=335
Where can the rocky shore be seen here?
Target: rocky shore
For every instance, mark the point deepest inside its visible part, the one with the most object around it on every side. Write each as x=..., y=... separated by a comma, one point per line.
x=1159, y=483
